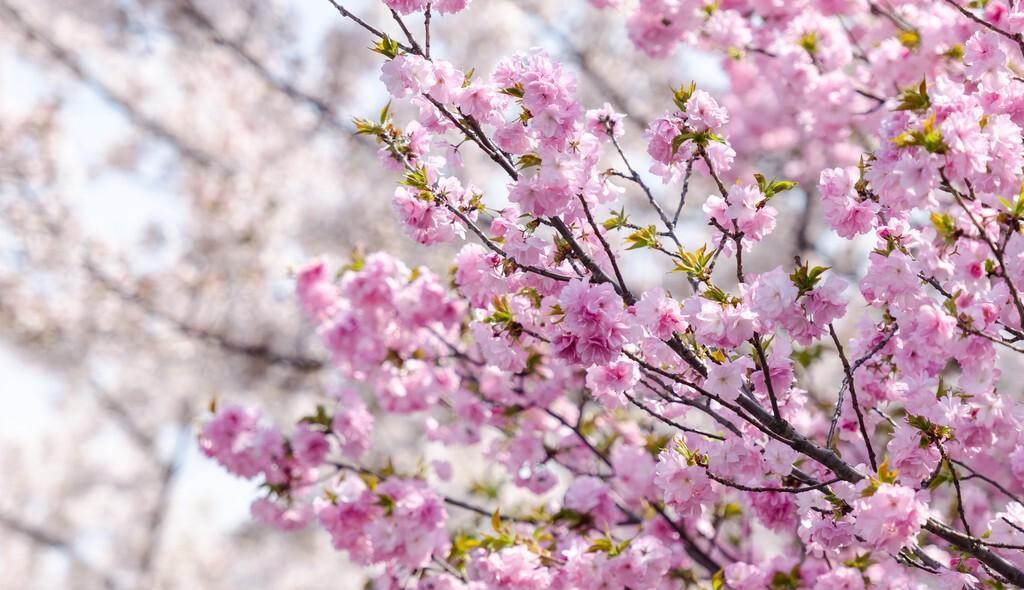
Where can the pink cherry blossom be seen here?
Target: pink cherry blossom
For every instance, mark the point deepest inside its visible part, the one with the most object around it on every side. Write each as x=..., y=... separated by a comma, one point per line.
x=891, y=517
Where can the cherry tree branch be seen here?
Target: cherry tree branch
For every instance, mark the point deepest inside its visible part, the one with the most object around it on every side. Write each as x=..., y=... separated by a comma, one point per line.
x=604, y=244
x=779, y=490
x=1015, y=37
x=853, y=398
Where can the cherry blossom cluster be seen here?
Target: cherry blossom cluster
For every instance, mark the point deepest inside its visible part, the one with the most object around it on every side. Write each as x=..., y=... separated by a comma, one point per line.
x=724, y=435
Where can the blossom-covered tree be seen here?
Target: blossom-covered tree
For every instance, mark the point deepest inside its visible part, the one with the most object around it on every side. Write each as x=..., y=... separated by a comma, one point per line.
x=164, y=166
x=663, y=395
x=670, y=440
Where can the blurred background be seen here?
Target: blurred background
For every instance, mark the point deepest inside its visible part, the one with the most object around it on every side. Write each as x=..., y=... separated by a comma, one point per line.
x=165, y=165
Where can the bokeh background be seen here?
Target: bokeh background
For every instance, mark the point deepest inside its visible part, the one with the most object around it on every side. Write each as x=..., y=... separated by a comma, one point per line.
x=164, y=166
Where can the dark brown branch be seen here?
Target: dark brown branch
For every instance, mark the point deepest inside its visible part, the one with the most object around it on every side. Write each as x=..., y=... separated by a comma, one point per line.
x=829, y=439
x=604, y=244
x=766, y=373
x=956, y=487
x=992, y=246
x=685, y=190
x=408, y=34
x=426, y=31
x=668, y=421
x=669, y=226
x=853, y=397
x=579, y=434
x=365, y=25
x=1015, y=37
x=971, y=545
x=781, y=490
x=341, y=466
x=976, y=475
x=595, y=270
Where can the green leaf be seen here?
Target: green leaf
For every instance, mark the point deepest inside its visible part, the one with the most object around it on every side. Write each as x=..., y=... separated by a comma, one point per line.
x=643, y=238
x=528, y=160
x=1015, y=208
x=388, y=470
x=370, y=480
x=476, y=203
x=696, y=264
x=729, y=510
x=679, y=140
x=861, y=562
x=910, y=39
x=915, y=99
x=387, y=502
x=571, y=518
x=770, y=188
x=387, y=47
x=655, y=443
x=356, y=264
x=715, y=293
x=928, y=137
x=805, y=357
x=839, y=506
x=806, y=278
x=502, y=314
x=701, y=138
x=533, y=295
x=945, y=226
x=786, y=580
x=484, y=489
x=462, y=544
x=516, y=91
x=781, y=186
x=887, y=474
x=320, y=418
x=364, y=127
x=718, y=580
x=417, y=179
x=934, y=432
x=617, y=220
x=682, y=94
x=809, y=42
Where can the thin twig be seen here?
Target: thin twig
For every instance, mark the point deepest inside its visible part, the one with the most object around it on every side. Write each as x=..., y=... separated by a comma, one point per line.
x=668, y=421
x=766, y=373
x=853, y=397
x=362, y=23
x=1015, y=37
x=643, y=185
x=974, y=474
x=408, y=34
x=781, y=490
x=604, y=244
x=426, y=30
x=984, y=236
x=341, y=466
x=956, y=487
x=829, y=439
x=686, y=189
